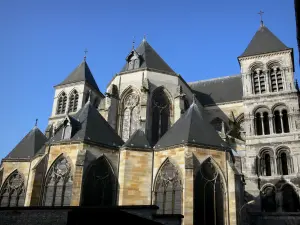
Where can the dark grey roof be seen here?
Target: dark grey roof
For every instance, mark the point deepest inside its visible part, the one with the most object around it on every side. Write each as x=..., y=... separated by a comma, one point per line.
x=29, y=145
x=264, y=41
x=219, y=90
x=81, y=73
x=88, y=125
x=191, y=128
x=138, y=140
x=150, y=59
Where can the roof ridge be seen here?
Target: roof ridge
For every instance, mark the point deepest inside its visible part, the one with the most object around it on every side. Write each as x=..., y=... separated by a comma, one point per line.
x=216, y=78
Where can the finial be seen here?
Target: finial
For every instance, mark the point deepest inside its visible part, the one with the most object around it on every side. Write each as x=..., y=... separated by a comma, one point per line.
x=261, y=18
x=296, y=84
x=90, y=95
x=133, y=42
x=144, y=38
x=36, y=122
x=85, y=52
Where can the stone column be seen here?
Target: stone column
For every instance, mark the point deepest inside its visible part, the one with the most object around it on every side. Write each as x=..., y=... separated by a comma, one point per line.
x=144, y=104
x=262, y=124
x=178, y=103
x=112, y=106
x=77, y=179
x=271, y=124
x=281, y=122
x=267, y=76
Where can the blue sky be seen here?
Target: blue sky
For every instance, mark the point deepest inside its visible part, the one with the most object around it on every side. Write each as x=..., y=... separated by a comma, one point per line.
x=41, y=42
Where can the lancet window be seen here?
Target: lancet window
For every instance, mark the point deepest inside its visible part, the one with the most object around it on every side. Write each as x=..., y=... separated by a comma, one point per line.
x=284, y=162
x=58, y=185
x=168, y=189
x=160, y=114
x=266, y=163
x=61, y=103
x=12, y=193
x=73, y=101
x=262, y=124
x=130, y=115
x=281, y=120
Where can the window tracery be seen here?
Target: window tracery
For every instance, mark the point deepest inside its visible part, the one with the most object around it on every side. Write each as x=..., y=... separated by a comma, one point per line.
x=61, y=103
x=160, y=114
x=58, y=185
x=130, y=120
x=73, y=101
x=168, y=190
x=12, y=193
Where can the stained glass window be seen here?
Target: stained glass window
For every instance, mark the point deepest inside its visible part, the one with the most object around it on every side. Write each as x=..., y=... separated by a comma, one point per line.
x=168, y=190
x=12, y=193
x=58, y=186
x=131, y=112
x=99, y=184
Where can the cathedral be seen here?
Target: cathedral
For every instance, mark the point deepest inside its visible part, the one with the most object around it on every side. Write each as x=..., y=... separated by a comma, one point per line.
x=223, y=151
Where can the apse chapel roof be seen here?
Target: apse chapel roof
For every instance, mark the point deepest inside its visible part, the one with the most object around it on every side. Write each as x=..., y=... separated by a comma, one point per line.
x=137, y=140
x=191, y=128
x=32, y=143
x=88, y=125
x=150, y=59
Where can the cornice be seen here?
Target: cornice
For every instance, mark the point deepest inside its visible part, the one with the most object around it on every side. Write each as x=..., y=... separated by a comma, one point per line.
x=265, y=55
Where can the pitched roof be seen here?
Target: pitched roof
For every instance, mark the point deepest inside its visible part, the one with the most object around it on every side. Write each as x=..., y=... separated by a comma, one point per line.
x=29, y=145
x=88, y=125
x=81, y=73
x=219, y=90
x=191, y=128
x=150, y=59
x=264, y=41
x=138, y=140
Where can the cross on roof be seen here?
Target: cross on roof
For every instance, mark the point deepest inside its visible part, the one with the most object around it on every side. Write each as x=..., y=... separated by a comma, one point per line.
x=133, y=42
x=36, y=122
x=85, y=53
x=261, y=17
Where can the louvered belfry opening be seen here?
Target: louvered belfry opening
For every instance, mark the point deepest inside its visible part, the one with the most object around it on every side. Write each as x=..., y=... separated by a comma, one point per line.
x=168, y=189
x=73, y=101
x=209, y=196
x=58, y=185
x=12, y=193
x=259, y=81
x=61, y=103
x=276, y=79
x=99, y=188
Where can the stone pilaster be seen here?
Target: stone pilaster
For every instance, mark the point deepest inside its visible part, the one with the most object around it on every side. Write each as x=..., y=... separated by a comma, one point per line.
x=112, y=105
x=144, y=103
x=189, y=197
x=178, y=103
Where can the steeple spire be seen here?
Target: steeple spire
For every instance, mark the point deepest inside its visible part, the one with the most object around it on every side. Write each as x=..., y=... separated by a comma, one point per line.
x=261, y=18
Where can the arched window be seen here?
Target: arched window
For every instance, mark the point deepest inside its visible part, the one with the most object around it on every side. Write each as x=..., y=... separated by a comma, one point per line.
x=242, y=131
x=130, y=115
x=209, y=195
x=99, y=188
x=168, y=189
x=217, y=123
x=284, y=162
x=259, y=81
x=58, y=185
x=290, y=199
x=276, y=79
x=266, y=163
x=281, y=120
x=262, y=125
x=73, y=101
x=160, y=114
x=61, y=103
x=268, y=201
x=12, y=193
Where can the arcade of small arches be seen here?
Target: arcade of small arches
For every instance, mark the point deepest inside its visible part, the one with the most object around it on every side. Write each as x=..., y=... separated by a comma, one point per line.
x=275, y=121
x=281, y=197
x=269, y=80
x=71, y=101
x=270, y=163
x=100, y=185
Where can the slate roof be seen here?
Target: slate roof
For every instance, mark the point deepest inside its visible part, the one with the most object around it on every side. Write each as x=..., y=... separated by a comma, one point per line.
x=219, y=90
x=81, y=73
x=264, y=41
x=138, y=140
x=150, y=59
x=191, y=128
x=88, y=125
x=29, y=145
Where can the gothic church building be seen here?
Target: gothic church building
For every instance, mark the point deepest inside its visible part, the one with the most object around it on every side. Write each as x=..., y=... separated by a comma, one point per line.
x=203, y=149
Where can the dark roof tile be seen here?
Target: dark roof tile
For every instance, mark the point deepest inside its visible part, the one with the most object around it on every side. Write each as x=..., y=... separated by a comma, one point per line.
x=220, y=90
x=138, y=140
